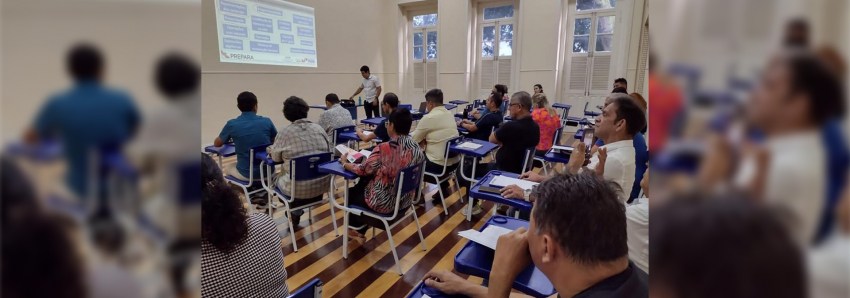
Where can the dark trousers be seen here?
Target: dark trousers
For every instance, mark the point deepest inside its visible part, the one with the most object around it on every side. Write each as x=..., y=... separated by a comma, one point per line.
x=357, y=197
x=431, y=167
x=371, y=107
x=480, y=170
x=301, y=202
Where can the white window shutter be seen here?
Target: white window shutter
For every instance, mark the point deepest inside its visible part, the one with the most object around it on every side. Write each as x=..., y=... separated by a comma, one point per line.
x=600, y=73
x=488, y=75
x=504, y=71
x=431, y=75
x=577, y=81
x=418, y=76
x=643, y=59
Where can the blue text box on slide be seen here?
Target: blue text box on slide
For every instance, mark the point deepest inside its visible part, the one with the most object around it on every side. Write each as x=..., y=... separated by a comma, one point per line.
x=235, y=30
x=284, y=25
x=270, y=11
x=262, y=37
x=287, y=38
x=301, y=20
x=261, y=24
x=231, y=18
x=265, y=47
x=301, y=51
x=233, y=7
x=305, y=32
x=307, y=43
x=232, y=43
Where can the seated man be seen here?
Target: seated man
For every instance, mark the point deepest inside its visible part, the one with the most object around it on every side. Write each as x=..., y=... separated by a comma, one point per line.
x=388, y=106
x=641, y=153
x=246, y=131
x=335, y=116
x=87, y=116
x=637, y=227
x=431, y=133
x=513, y=138
x=302, y=137
x=499, y=88
x=563, y=242
x=483, y=127
x=376, y=188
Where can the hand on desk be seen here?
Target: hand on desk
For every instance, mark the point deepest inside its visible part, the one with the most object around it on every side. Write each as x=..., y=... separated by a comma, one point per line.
x=449, y=283
x=532, y=176
x=513, y=192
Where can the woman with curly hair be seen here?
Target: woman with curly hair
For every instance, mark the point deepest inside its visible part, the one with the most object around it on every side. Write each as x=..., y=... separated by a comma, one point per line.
x=240, y=254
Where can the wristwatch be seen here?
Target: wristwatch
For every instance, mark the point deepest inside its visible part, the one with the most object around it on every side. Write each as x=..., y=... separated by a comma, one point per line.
x=526, y=193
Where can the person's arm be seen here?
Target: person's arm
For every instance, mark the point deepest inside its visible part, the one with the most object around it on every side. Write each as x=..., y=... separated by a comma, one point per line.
x=368, y=167
x=576, y=157
x=43, y=125
x=471, y=127
x=356, y=92
x=363, y=137
x=377, y=95
x=218, y=142
x=224, y=136
x=494, y=139
x=501, y=133
x=272, y=131
x=422, y=130
x=449, y=283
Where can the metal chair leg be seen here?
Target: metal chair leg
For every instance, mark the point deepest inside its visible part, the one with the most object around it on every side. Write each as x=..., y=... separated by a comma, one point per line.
x=419, y=229
x=392, y=245
x=440, y=191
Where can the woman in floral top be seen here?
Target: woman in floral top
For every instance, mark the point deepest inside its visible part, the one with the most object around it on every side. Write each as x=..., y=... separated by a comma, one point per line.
x=378, y=172
x=547, y=119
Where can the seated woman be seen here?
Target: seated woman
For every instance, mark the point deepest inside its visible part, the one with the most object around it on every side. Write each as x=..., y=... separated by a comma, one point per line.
x=378, y=172
x=548, y=120
x=240, y=254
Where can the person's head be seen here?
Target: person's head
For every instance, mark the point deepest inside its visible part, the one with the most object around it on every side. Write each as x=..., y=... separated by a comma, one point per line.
x=364, y=71
x=797, y=92
x=621, y=83
x=620, y=90
x=520, y=104
x=621, y=118
x=434, y=98
x=734, y=242
x=539, y=101
x=538, y=88
x=578, y=222
x=399, y=122
x=17, y=195
x=177, y=75
x=797, y=33
x=639, y=99
x=295, y=108
x=494, y=102
x=331, y=99
x=223, y=215
x=500, y=88
x=390, y=102
x=85, y=62
x=246, y=102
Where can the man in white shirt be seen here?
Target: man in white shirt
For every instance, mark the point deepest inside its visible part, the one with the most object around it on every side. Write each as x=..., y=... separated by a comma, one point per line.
x=372, y=86
x=637, y=227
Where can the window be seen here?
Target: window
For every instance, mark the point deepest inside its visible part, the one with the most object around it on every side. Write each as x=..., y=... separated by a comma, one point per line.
x=605, y=34
x=506, y=42
x=581, y=35
x=425, y=20
x=595, y=4
x=489, y=36
x=432, y=45
x=417, y=46
x=499, y=12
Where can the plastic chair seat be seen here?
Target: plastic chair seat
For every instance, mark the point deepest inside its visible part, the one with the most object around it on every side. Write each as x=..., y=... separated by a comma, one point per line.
x=235, y=180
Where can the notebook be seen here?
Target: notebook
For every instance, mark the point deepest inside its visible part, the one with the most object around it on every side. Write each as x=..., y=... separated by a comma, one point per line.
x=469, y=145
x=353, y=155
x=489, y=237
x=499, y=182
x=562, y=149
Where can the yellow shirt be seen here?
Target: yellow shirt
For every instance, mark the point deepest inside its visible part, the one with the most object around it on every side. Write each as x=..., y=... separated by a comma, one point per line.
x=437, y=127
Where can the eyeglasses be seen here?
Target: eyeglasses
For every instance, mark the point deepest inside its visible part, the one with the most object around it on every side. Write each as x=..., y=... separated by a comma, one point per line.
x=513, y=104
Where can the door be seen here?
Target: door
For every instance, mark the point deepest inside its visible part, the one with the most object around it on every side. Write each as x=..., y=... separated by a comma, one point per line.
x=423, y=30
x=496, y=52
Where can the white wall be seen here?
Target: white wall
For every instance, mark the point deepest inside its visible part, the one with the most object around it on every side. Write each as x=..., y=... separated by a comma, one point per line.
x=539, y=27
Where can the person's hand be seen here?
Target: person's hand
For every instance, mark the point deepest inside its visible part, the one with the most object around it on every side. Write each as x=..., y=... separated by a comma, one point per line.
x=532, y=176
x=577, y=157
x=343, y=159
x=375, y=102
x=459, y=123
x=447, y=282
x=351, y=98
x=511, y=257
x=358, y=130
x=600, y=166
x=513, y=192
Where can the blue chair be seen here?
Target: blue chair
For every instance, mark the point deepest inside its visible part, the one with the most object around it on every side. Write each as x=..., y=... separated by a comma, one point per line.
x=406, y=107
x=555, y=141
x=312, y=289
x=303, y=168
x=47, y=150
x=245, y=185
x=353, y=111
x=528, y=162
x=340, y=130
x=838, y=156
x=408, y=179
x=451, y=175
x=589, y=113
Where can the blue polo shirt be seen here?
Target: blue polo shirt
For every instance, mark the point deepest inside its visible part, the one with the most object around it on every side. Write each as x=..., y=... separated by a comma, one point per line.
x=87, y=117
x=248, y=130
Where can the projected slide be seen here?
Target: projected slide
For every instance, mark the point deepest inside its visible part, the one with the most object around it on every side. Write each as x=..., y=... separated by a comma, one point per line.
x=267, y=32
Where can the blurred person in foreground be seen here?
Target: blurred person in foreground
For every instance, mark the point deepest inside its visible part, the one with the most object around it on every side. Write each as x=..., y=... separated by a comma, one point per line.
x=723, y=246
x=563, y=241
x=240, y=254
x=637, y=227
x=667, y=103
x=88, y=116
x=796, y=97
x=829, y=262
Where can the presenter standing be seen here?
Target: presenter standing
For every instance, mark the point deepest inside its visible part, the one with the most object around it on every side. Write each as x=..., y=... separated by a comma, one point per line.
x=372, y=86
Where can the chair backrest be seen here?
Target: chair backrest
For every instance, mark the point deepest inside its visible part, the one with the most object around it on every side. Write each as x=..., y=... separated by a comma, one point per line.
x=353, y=111
x=340, y=130
x=586, y=103
x=408, y=179
x=258, y=148
x=406, y=107
x=313, y=289
x=188, y=179
x=557, y=139
x=306, y=167
x=528, y=162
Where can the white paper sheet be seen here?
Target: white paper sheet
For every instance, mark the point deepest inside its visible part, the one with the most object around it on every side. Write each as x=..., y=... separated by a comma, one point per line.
x=367, y=133
x=489, y=237
x=469, y=145
x=566, y=149
x=502, y=181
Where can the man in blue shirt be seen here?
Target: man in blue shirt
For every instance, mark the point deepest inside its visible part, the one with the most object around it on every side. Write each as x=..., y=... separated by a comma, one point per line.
x=86, y=117
x=246, y=131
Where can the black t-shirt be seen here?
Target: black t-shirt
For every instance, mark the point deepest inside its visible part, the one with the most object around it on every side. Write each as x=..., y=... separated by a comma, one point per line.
x=632, y=282
x=516, y=136
x=381, y=131
x=485, y=126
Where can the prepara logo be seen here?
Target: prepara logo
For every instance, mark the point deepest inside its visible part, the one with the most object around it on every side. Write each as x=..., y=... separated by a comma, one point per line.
x=237, y=56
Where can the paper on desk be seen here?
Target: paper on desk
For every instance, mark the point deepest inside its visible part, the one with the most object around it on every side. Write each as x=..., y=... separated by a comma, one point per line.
x=425, y=296
x=489, y=237
x=564, y=148
x=367, y=133
x=469, y=145
x=502, y=181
